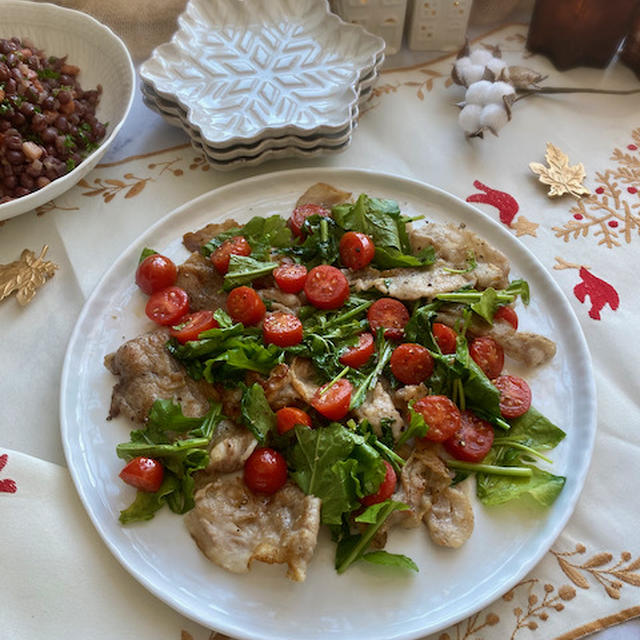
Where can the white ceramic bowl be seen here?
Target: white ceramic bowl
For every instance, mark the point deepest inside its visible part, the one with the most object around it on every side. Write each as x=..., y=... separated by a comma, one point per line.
x=102, y=58
x=244, y=71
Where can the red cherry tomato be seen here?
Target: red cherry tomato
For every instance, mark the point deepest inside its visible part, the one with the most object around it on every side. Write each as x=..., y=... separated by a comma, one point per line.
x=282, y=329
x=167, y=306
x=143, y=473
x=507, y=313
x=326, y=287
x=472, y=441
x=488, y=355
x=385, y=490
x=442, y=416
x=411, y=363
x=390, y=315
x=189, y=327
x=156, y=272
x=515, y=395
x=290, y=278
x=333, y=403
x=301, y=213
x=289, y=417
x=445, y=336
x=360, y=353
x=356, y=250
x=237, y=245
x=245, y=305
x=265, y=471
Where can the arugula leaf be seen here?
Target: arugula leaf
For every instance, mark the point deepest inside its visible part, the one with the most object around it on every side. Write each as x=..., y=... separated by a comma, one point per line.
x=519, y=288
x=480, y=395
x=471, y=265
x=245, y=269
x=257, y=415
x=418, y=328
x=146, y=252
x=542, y=486
x=181, y=457
x=336, y=465
x=392, y=258
x=320, y=245
x=353, y=547
x=417, y=428
x=390, y=559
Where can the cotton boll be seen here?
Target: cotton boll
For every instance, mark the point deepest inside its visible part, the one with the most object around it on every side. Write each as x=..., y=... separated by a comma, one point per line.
x=481, y=57
x=473, y=73
x=497, y=91
x=493, y=117
x=496, y=65
x=469, y=118
x=478, y=92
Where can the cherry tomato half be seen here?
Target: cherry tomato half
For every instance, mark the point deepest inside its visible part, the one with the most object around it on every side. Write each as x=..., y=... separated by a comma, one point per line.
x=326, y=287
x=386, y=488
x=442, y=416
x=300, y=215
x=488, y=355
x=167, y=306
x=237, y=245
x=360, y=353
x=411, y=363
x=356, y=250
x=282, y=329
x=245, y=305
x=390, y=315
x=290, y=278
x=143, y=473
x=507, y=313
x=515, y=395
x=445, y=336
x=333, y=403
x=156, y=272
x=289, y=417
x=265, y=471
x=472, y=440
x=189, y=327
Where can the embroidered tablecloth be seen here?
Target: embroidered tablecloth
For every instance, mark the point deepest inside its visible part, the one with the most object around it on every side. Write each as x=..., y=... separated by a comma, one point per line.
x=58, y=580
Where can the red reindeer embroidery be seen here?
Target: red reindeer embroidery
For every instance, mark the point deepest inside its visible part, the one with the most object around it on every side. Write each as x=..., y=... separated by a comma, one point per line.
x=6, y=485
x=600, y=293
x=502, y=201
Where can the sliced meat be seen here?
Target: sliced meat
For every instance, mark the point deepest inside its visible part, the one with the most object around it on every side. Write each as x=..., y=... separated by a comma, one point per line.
x=324, y=195
x=303, y=378
x=411, y=284
x=281, y=301
x=409, y=393
x=147, y=373
x=450, y=520
x=232, y=444
x=199, y=278
x=529, y=348
x=278, y=388
x=454, y=245
x=196, y=239
x=378, y=406
x=231, y=397
x=233, y=527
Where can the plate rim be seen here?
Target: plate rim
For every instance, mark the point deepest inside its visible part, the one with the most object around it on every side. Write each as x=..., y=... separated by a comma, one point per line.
x=316, y=174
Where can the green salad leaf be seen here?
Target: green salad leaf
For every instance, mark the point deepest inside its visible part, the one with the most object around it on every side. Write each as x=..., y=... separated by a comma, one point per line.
x=257, y=415
x=245, y=269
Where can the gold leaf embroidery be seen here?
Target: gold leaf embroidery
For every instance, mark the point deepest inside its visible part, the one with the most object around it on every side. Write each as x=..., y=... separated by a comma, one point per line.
x=559, y=175
x=26, y=275
x=523, y=227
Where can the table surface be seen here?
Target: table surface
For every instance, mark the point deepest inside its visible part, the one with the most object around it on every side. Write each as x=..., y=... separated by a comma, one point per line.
x=589, y=579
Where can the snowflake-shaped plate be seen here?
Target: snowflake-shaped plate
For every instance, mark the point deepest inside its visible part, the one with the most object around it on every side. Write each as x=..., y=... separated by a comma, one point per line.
x=244, y=70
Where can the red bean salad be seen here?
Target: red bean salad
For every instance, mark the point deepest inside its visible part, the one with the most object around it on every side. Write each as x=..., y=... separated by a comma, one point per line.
x=48, y=123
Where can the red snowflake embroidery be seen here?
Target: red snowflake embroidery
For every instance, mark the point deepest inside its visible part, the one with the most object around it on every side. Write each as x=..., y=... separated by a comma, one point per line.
x=502, y=201
x=6, y=485
x=600, y=293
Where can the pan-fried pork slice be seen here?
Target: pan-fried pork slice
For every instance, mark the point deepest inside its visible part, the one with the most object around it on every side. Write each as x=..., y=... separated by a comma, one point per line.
x=454, y=244
x=324, y=195
x=281, y=301
x=450, y=520
x=233, y=526
x=378, y=406
x=146, y=373
x=529, y=348
x=199, y=278
x=411, y=284
x=196, y=239
x=408, y=393
x=232, y=444
x=303, y=378
x=278, y=389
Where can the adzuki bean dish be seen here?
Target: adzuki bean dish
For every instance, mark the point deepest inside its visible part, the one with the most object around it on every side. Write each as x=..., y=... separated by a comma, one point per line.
x=48, y=123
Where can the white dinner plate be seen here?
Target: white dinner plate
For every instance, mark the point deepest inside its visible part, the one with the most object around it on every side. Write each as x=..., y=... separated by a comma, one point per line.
x=367, y=602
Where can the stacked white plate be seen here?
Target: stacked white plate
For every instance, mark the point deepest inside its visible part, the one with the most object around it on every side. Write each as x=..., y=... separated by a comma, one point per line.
x=256, y=80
